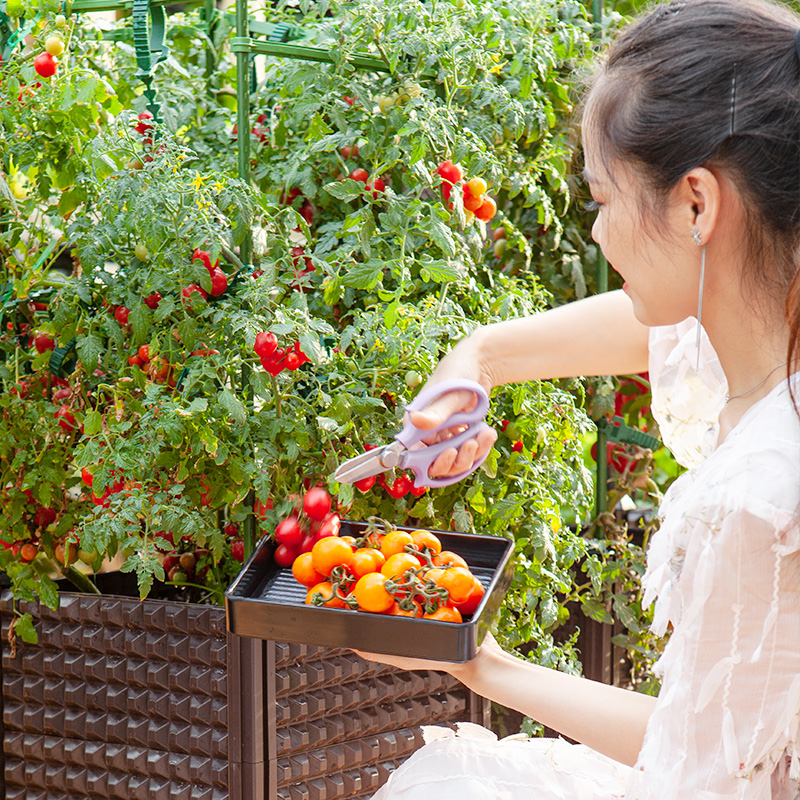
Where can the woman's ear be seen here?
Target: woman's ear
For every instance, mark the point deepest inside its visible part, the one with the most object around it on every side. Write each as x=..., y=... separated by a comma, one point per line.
x=701, y=197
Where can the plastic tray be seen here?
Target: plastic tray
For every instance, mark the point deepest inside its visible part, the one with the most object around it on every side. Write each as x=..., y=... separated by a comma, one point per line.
x=266, y=602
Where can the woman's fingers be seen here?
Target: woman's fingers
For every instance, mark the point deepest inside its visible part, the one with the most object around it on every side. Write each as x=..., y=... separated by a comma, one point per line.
x=455, y=461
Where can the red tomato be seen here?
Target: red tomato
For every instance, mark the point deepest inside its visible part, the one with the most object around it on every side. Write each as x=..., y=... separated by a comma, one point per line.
x=330, y=526
x=316, y=503
x=365, y=484
x=450, y=172
x=378, y=186
x=142, y=127
x=266, y=343
x=43, y=342
x=293, y=361
x=45, y=65
x=66, y=420
x=359, y=174
x=289, y=532
x=121, y=314
x=144, y=352
x=284, y=555
x=219, y=282
x=152, y=300
x=187, y=291
x=205, y=257
x=237, y=550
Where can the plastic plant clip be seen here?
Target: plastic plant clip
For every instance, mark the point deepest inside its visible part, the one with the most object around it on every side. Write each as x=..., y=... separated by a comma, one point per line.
x=63, y=360
x=618, y=431
x=150, y=48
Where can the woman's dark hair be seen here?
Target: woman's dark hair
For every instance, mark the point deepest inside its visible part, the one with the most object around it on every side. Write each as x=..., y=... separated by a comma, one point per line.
x=714, y=83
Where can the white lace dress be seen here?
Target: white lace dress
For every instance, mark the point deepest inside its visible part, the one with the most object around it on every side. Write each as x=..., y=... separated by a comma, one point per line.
x=724, y=570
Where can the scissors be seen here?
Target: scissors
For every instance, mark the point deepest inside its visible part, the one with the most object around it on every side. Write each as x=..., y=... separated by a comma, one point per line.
x=401, y=452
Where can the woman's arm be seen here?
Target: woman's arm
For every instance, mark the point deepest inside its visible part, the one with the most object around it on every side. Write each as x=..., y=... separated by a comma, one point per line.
x=608, y=719
x=595, y=336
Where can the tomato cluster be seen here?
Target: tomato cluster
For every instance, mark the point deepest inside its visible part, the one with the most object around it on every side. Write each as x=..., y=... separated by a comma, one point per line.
x=377, y=186
x=275, y=359
x=476, y=201
x=300, y=531
x=402, y=484
x=389, y=571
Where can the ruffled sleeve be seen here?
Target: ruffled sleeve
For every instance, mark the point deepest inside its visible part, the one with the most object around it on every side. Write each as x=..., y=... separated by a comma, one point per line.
x=726, y=569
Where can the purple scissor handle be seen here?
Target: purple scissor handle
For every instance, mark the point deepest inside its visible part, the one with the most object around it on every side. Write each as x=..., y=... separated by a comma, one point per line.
x=419, y=460
x=404, y=453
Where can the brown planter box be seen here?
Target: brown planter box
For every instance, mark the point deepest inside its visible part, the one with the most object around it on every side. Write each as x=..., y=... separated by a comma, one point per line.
x=124, y=699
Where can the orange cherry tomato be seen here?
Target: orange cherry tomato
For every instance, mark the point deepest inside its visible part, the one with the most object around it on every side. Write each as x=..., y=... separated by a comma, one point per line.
x=472, y=202
x=328, y=598
x=371, y=595
x=486, y=210
x=459, y=582
x=424, y=539
x=470, y=605
x=399, y=564
x=444, y=614
x=448, y=557
x=434, y=574
x=304, y=572
x=398, y=611
x=330, y=552
x=395, y=542
x=366, y=560
x=351, y=540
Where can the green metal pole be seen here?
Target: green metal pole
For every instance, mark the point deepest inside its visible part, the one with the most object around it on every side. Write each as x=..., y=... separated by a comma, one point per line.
x=243, y=111
x=601, y=279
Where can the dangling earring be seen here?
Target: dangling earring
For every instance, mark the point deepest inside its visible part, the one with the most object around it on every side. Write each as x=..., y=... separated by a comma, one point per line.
x=697, y=239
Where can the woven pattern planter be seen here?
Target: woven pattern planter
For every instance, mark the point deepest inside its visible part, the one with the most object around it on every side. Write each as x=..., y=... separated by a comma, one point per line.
x=124, y=699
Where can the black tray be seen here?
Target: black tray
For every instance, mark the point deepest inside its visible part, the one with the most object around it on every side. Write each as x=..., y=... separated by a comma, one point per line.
x=266, y=602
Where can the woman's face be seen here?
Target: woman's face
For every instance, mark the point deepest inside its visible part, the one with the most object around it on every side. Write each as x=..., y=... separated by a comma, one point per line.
x=657, y=259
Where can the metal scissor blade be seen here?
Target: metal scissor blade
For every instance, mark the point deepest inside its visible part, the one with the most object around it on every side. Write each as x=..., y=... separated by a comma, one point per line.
x=370, y=463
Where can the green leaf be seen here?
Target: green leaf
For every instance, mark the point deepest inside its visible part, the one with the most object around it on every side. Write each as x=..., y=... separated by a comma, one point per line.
x=233, y=405
x=441, y=234
x=596, y=610
x=23, y=627
x=346, y=189
x=92, y=423
x=89, y=348
x=364, y=275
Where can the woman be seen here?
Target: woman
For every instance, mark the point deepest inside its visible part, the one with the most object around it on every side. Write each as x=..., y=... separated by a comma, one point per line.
x=691, y=132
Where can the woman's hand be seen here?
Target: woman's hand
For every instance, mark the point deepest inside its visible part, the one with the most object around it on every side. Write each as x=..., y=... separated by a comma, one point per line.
x=460, y=363
x=488, y=649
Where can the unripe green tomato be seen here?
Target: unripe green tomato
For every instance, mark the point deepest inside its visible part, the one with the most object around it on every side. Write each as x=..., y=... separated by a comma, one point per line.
x=141, y=252
x=385, y=103
x=541, y=436
x=54, y=45
x=499, y=247
x=512, y=431
x=87, y=556
x=19, y=186
x=15, y=8
x=413, y=379
x=61, y=21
